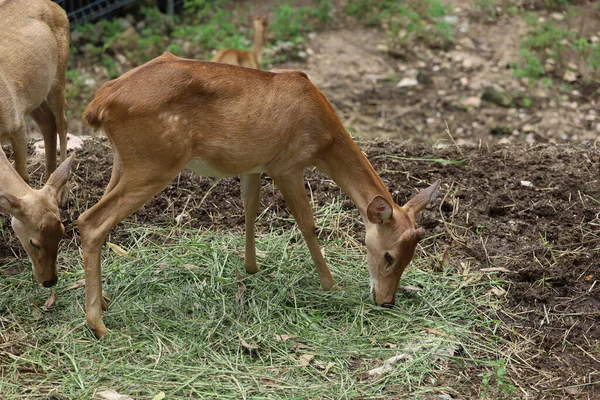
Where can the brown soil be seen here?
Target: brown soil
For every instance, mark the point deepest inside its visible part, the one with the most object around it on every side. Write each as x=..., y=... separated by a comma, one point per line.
x=546, y=232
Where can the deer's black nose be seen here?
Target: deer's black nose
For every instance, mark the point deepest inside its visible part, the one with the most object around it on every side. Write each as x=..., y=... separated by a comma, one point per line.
x=50, y=282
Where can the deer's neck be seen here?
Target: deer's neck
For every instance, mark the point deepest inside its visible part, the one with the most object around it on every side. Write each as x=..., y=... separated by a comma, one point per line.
x=345, y=163
x=259, y=33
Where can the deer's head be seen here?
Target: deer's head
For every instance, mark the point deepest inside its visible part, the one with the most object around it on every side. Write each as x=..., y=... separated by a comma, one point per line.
x=36, y=221
x=391, y=239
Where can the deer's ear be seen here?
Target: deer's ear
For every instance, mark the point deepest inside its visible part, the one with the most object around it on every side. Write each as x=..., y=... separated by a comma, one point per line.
x=379, y=210
x=420, y=200
x=10, y=204
x=59, y=178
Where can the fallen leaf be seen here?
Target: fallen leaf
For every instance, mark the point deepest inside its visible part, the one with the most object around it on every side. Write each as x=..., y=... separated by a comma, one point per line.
x=241, y=286
x=117, y=249
x=498, y=291
x=37, y=314
x=323, y=365
x=50, y=301
x=105, y=296
x=574, y=391
x=390, y=345
x=77, y=284
x=301, y=346
x=159, y=396
x=247, y=345
x=446, y=258
x=261, y=253
x=328, y=366
x=305, y=359
x=388, y=364
x=283, y=338
x=409, y=288
x=589, y=277
x=496, y=269
x=109, y=394
x=433, y=331
x=191, y=267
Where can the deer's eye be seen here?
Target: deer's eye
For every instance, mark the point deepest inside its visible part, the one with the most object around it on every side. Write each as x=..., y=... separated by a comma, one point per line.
x=388, y=257
x=34, y=244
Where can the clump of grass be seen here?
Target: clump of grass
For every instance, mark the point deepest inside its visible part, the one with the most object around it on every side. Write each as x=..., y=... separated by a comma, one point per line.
x=177, y=328
x=407, y=22
x=549, y=42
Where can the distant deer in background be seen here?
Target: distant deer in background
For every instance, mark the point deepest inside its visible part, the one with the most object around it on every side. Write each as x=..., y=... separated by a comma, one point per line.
x=34, y=48
x=249, y=59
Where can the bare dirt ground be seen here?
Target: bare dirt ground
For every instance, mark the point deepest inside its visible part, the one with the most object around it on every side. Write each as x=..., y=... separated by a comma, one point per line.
x=522, y=195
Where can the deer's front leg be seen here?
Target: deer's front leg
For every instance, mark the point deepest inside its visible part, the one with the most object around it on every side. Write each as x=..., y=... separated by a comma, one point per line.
x=134, y=188
x=18, y=141
x=251, y=198
x=93, y=280
x=292, y=188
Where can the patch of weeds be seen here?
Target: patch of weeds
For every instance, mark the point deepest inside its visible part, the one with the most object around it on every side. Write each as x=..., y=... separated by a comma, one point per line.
x=485, y=7
x=405, y=22
x=548, y=48
x=496, y=383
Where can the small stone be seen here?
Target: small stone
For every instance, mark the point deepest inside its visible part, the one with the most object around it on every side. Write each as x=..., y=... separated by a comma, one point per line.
x=528, y=128
x=407, y=82
x=430, y=121
x=466, y=42
x=424, y=79
x=526, y=184
x=530, y=138
x=121, y=59
x=464, y=81
x=498, y=96
x=473, y=101
x=564, y=136
x=435, y=68
x=557, y=16
x=382, y=48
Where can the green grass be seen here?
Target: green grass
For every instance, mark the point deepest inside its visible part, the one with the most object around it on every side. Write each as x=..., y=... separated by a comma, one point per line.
x=177, y=328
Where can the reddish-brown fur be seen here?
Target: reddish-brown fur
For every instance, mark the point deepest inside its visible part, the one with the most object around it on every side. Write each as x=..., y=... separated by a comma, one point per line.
x=173, y=113
x=34, y=48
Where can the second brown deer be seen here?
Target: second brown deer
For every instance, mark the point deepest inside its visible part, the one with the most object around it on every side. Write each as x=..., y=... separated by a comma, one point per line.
x=251, y=58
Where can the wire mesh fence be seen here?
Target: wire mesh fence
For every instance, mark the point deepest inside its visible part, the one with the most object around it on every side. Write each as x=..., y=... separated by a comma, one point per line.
x=82, y=11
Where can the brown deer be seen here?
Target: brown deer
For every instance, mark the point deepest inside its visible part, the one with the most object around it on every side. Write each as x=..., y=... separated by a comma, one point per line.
x=248, y=59
x=221, y=120
x=34, y=48
x=35, y=216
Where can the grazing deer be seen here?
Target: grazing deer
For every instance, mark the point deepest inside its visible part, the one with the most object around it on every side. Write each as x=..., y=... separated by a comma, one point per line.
x=34, y=48
x=248, y=59
x=221, y=120
x=35, y=216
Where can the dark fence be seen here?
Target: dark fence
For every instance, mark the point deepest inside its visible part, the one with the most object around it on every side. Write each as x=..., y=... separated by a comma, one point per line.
x=82, y=11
